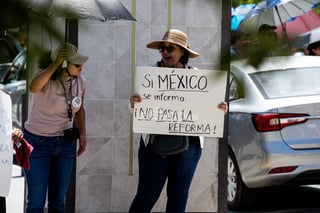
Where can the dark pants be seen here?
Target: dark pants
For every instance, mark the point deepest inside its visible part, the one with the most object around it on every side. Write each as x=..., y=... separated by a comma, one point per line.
x=50, y=169
x=2, y=205
x=154, y=170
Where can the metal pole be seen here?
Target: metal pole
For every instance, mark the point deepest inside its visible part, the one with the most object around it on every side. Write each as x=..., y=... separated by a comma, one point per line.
x=223, y=142
x=71, y=36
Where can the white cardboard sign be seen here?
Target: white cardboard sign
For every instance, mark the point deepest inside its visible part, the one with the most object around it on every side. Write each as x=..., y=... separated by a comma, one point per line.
x=6, y=153
x=179, y=101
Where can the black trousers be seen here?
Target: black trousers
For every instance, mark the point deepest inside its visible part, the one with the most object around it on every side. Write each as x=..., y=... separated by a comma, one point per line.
x=2, y=205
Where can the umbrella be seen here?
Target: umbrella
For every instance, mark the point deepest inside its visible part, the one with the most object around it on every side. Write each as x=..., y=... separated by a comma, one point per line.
x=274, y=13
x=299, y=25
x=100, y=10
x=307, y=38
x=239, y=13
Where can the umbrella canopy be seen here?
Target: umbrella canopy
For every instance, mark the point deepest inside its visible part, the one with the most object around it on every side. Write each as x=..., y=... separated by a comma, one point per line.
x=274, y=13
x=299, y=25
x=239, y=13
x=307, y=38
x=100, y=10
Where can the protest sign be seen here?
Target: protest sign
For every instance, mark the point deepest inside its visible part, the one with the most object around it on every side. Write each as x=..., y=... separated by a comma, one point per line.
x=179, y=101
x=6, y=147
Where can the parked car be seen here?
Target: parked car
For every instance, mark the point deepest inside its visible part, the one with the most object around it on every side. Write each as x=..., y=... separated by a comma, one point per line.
x=12, y=75
x=274, y=126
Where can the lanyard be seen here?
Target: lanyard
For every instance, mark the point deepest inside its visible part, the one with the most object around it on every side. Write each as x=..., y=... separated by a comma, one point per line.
x=68, y=98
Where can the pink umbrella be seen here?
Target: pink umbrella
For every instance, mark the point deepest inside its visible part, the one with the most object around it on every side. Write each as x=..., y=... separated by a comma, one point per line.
x=299, y=25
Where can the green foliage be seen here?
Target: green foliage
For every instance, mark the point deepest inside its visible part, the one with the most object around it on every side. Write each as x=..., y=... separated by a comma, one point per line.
x=236, y=3
x=12, y=15
x=15, y=14
x=317, y=9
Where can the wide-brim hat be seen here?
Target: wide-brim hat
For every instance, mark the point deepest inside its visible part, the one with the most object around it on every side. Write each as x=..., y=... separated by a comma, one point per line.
x=73, y=55
x=176, y=37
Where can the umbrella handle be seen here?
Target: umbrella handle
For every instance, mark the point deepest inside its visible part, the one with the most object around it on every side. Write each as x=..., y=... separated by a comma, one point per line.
x=64, y=64
x=283, y=27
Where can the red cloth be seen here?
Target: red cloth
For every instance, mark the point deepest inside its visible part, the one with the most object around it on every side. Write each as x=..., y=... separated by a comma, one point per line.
x=23, y=151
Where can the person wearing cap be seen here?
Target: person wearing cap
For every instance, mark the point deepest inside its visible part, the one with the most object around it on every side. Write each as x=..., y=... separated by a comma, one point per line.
x=267, y=45
x=56, y=121
x=179, y=168
x=268, y=39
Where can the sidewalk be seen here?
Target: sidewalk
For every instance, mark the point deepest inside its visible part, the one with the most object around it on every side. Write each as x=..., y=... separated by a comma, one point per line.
x=15, y=200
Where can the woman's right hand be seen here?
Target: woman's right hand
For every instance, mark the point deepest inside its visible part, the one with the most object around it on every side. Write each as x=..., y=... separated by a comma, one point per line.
x=135, y=98
x=61, y=56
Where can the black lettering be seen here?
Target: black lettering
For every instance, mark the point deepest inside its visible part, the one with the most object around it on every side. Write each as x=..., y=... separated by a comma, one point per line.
x=175, y=81
x=186, y=116
x=190, y=128
x=163, y=80
x=202, y=83
x=149, y=82
x=164, y=97
x=144, y=114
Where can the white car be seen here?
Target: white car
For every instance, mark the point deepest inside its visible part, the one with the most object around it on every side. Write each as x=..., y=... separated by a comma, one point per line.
x=274, y=126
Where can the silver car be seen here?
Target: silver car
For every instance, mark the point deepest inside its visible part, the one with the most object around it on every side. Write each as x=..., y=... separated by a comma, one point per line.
x=12, y=75
x=274, y=126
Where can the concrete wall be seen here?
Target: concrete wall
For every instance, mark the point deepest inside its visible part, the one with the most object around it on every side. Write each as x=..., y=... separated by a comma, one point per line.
x=102, y=180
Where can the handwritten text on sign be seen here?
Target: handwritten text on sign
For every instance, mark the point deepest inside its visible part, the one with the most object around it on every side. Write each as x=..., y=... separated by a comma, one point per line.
x=179, y=101
x=5, y=144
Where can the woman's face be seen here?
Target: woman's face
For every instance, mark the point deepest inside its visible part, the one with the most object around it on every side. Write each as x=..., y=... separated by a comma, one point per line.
x=171, y=55
x=75, y=69
x=316, y=51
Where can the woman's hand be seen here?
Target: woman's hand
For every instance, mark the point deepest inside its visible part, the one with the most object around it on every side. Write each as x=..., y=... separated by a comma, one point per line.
x=223, y=106
x=17, y=135
x=135, y=98
x=82, y=145
x=61, y=56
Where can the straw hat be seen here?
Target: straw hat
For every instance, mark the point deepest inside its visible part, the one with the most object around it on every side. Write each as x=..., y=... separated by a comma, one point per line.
x=176, y=37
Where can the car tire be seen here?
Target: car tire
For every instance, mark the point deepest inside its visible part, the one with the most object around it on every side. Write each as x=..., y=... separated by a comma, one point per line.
x=239, y=196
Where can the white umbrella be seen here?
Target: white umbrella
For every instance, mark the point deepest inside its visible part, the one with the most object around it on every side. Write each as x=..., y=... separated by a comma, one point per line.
x=297, y=26
x=274, y=13
x=307, y=38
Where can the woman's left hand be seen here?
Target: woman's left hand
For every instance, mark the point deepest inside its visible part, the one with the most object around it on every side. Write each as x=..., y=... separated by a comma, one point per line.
x=82, y=145
x=223, y=106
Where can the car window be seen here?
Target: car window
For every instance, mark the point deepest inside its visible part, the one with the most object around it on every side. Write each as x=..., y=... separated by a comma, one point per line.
x=16, y=68
x=235, y=89
x=9, y=48
x=10, y=58
x=288, y=82
x=6, y=53
x=3, y=71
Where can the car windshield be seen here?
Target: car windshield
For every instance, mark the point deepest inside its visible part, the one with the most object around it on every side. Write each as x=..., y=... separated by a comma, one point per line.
x=288, y=82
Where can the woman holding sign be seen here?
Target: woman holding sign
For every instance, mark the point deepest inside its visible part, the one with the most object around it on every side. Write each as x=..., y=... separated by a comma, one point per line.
x=177, y=167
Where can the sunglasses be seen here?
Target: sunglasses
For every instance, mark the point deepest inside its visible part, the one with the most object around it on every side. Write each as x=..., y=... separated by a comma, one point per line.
x=169, y=49
x=77, y=65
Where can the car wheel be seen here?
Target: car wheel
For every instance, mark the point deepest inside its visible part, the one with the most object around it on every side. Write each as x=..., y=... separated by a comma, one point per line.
x=239, y=196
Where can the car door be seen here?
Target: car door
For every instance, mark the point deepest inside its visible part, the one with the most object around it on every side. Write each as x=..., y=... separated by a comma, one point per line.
x=14, y=84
